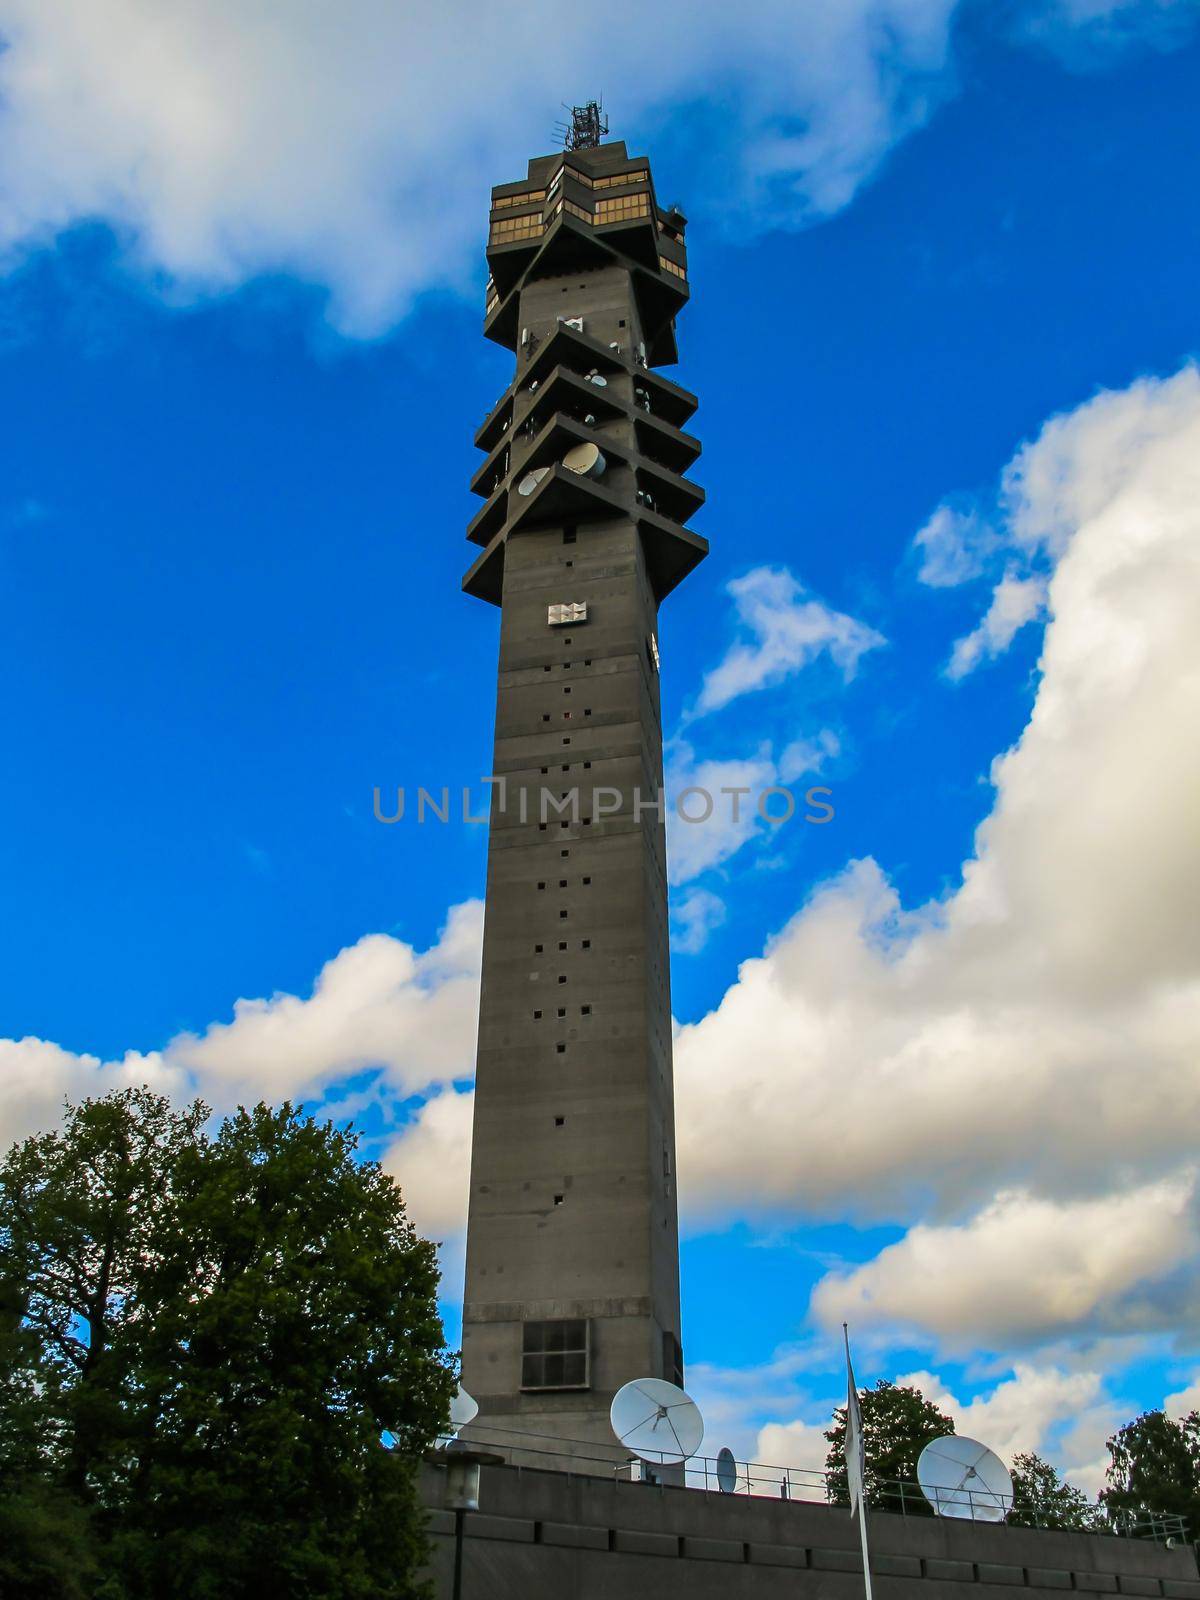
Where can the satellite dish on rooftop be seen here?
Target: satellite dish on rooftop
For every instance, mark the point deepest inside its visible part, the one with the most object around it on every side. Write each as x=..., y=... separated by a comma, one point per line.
x=585, y=459
x=464, y=1408
x=726, y=1470
x=657, y=1421
x=531, y=480
x=963, y=1478
x=598, y=380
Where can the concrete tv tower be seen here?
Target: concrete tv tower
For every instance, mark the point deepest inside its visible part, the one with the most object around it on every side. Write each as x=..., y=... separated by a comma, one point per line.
x=572, y=1274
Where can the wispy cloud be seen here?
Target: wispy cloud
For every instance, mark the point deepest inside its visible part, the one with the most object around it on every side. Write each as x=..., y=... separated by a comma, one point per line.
x=954, y=545
x=694, y=918
x=1015, y=602
x=784, y=629
x=721, y=794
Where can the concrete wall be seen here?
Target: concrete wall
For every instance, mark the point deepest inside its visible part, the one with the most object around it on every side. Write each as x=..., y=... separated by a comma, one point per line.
x=544, y=1534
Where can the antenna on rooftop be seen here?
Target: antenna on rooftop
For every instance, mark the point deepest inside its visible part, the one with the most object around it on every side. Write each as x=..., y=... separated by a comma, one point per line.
x=657, y=1421
x=962, y=1478
x=586, y=128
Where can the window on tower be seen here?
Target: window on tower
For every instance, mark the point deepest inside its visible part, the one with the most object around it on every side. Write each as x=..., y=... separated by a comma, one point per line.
x=511, y=229
x=633, y=205
x=672, y=1360
x=554, y=1355
x=526, y=197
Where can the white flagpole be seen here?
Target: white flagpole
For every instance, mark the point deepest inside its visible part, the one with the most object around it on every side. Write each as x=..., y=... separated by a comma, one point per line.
x=855, y=1461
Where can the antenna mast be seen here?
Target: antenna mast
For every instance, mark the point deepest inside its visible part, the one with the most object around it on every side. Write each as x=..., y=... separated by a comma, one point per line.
x=587, y=126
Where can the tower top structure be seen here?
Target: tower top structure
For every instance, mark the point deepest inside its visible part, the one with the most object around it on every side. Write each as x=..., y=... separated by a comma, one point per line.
x=584, y=209
x=584, y=223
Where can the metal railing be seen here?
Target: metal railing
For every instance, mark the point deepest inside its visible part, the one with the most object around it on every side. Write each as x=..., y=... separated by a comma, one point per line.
x=811, y=1485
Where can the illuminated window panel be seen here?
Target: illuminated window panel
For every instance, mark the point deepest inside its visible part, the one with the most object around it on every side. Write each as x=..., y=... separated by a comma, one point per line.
x=577, y=211
x=509, y=229
x=507, y=200
x=633, y=205
x=672, y=267
x=619, y=178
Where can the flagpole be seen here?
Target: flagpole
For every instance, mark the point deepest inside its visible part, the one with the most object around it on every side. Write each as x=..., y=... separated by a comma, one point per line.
x=855, y=1461
x=862, y=1529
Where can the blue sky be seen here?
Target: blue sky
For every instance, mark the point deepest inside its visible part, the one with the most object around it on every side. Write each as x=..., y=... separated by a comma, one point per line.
x=235, y=464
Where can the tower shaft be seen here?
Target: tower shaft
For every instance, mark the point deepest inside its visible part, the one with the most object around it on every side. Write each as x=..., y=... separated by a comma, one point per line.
x=572, y=1281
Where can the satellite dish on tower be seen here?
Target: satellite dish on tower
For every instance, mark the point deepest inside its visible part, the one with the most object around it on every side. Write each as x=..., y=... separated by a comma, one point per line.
x=464, y=1408
x=656, y=1421
x=531, y=480
x=726, y=1470
x=963, y=1478
x=585, y=459
x=598, y=380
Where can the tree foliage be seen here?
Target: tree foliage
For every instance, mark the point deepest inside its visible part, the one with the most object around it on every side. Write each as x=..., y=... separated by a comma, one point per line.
x=1154, y=1469
x=898, y=1422
x=201, y=1341
x=1042, y=1499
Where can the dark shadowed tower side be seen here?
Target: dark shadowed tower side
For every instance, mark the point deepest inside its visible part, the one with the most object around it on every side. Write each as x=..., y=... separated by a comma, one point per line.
x=572, y=1278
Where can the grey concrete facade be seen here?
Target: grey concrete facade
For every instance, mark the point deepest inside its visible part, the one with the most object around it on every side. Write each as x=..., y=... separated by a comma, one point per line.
x=539, y=1535
x=572, y=1221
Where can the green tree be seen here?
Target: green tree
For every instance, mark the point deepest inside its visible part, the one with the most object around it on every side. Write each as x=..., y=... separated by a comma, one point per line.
x=47, y=1549
x=1154, y=1469
x=85, y=1218
x=1042, y=1499
x=229, y=1323
x=898, y=1422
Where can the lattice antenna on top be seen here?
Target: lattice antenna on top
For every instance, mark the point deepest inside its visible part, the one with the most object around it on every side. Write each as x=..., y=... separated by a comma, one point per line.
x=587, y=126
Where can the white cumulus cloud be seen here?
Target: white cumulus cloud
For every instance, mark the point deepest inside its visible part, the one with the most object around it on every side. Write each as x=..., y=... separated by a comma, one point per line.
x=430, y=1161
x=1022, y=1268
x=1063, y=1415
x=379, y=1005
x=352, y=146
x=1183, y=1401
x=1035, y=1030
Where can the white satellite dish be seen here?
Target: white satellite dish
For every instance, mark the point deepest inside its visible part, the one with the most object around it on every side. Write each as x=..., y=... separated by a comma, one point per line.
x=585, y=459
x=656, y=1421
x=464, y=1408
x=600, y=382
x=963, y=1478
x=726, y=1470
x=531, y=480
